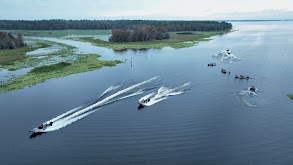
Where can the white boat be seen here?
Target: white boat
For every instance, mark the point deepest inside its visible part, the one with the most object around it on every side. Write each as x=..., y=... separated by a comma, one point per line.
x=41, y=128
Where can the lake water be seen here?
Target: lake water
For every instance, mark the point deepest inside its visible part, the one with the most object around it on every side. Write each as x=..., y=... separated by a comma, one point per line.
x=211, y=122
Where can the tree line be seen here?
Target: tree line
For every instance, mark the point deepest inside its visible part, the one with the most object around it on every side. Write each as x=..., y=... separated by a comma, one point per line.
x=8, y=41
x=137, y=35
x=59, y=24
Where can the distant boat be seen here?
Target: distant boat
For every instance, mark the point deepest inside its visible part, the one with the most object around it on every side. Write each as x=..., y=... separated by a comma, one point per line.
x=223, y=71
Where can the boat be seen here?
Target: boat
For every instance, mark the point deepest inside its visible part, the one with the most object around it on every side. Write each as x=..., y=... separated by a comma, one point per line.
x=142, y=103
x=242, y=77
x=252, y=89
x=212, y=64
x=41, y=128
x=223, y=71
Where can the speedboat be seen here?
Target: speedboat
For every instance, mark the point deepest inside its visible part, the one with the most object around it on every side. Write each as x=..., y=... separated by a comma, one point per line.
x=223, y=71
x=143, y=102
x=252, y=89
x=41, y=128
x=242, y=77
x=212, y=64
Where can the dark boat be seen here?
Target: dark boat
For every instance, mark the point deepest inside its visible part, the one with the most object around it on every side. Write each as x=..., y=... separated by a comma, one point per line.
x=242, y=77
x=223, y=71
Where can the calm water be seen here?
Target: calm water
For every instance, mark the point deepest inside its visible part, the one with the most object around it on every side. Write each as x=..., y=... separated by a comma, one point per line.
x=210, y=123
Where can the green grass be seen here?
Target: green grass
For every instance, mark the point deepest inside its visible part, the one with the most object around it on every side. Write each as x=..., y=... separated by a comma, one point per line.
x=290, y=96
x=50, y=68
x=10, y=56
x=176, y=41
x=59, y=33
x=40, y=74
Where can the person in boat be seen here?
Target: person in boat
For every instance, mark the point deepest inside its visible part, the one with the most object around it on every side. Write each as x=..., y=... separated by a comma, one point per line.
x=41, y=126
x=247, y=77
x=241, y=76
x=252, y=89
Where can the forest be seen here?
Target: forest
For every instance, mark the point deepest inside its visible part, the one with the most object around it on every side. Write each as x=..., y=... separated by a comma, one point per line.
x=58, y=24
x=8, y=41
x=136, y=35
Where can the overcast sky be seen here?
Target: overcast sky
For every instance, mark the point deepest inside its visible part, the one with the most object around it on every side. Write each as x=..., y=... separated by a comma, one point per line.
x=146, y=9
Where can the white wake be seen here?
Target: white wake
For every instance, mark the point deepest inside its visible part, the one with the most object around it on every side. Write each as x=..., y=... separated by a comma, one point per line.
x=163, y=94
x=225, y=56
x=78, y=113
x=248, y=93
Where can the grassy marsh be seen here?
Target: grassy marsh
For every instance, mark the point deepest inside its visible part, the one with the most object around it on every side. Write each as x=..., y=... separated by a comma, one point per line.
x=10, y=56
x=56, y=64
x=87, y=63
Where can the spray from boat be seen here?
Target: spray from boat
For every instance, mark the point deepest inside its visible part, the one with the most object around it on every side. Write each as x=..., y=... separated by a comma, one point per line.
x=247, y=94
x=162, y=94
x=80, y=112
x=227, y=56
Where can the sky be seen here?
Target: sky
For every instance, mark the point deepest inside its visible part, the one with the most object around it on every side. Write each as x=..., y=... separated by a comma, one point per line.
x=146, y=9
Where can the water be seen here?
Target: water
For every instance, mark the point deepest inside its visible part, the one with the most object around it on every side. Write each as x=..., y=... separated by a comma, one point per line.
x=209, y=123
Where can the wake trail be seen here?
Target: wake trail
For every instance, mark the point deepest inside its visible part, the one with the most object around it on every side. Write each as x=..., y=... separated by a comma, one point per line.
x=163, y=94
x=65, y=114
x=246, y=94
x=78, y=113
x=224, y=56
x=64, y=122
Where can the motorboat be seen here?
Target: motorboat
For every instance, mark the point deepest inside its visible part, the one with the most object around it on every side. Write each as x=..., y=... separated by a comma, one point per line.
x=41, y=128
x=223, y=71
x=242, y=77
x=212, y=64
x=252, y=89
x=143, y=102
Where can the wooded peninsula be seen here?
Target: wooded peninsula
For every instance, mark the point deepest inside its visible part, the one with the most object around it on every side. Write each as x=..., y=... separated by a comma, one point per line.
x=59, y=24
